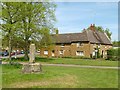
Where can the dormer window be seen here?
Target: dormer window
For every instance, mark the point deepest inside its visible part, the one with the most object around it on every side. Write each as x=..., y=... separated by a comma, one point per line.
x=62, y=45
x=79, y=44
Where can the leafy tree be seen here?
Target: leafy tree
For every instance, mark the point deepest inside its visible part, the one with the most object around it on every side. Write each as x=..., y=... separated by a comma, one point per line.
x=99, y=28
x=34, y=17
x=107, y=31
x=116, y=43
x=24, y=22
x=10, y=14
x=46, y=38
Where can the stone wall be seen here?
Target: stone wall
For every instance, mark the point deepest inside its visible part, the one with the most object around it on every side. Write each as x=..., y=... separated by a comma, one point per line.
x=71, y=49
x=68, y=50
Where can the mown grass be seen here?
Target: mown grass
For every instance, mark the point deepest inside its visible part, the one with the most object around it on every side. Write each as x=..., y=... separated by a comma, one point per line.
x=0, y=76
x=91, y=62
x=59, y=77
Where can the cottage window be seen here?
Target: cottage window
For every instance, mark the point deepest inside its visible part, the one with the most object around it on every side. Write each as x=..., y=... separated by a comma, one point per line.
x=46, y=52
x=79, y=53
x=61, y=51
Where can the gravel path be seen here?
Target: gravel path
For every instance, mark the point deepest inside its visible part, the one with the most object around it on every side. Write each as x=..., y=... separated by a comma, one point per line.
x=71, y=65
x=82, y=66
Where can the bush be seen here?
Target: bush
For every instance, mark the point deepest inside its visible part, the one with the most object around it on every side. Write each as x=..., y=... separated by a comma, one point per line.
x=113, y=54
x=78, y=57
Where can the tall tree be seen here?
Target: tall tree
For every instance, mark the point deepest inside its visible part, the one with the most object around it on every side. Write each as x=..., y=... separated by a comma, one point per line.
x=24, y=22
x=34, y=17
x=107, y=31
x=10, y=14
x=46, y=38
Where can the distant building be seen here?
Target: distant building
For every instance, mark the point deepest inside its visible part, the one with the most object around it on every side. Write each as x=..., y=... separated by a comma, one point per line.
x=116, y=47
x=86, y=43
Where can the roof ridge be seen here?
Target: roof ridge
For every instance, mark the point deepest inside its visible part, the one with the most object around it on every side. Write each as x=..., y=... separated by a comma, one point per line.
x=67, y=33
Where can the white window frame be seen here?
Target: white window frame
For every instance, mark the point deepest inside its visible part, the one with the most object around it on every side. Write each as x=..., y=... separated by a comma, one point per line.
x=61, y=52
x=80, y=53
x=45, y=52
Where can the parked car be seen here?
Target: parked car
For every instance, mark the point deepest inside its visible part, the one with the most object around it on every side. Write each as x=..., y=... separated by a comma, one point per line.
x=5, y=53
x=12, y=53
x=1, y=53
x=22, y=52
x=18, y=52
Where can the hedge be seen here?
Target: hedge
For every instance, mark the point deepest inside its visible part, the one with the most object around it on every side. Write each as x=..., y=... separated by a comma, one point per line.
x=113, y=54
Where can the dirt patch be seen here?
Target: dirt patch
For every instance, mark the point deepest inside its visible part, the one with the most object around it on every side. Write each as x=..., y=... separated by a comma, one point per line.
x=62, y=82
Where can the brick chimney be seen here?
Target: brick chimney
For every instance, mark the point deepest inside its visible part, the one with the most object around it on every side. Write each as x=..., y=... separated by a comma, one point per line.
x=92, y=27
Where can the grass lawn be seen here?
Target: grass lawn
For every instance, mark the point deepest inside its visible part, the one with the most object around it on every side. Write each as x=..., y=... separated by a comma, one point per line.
x=59, y=77
x=0, y=76
x=91, y=62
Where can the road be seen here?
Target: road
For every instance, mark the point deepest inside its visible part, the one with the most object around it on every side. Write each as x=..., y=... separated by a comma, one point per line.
x=20, y=55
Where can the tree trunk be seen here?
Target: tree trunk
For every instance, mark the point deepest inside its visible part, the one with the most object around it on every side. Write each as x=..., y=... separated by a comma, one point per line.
x=26, y=57
x=10, y=49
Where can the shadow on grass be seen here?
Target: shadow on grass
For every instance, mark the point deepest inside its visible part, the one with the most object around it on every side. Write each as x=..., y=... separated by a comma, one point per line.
x=41, y=59
x=12, y=66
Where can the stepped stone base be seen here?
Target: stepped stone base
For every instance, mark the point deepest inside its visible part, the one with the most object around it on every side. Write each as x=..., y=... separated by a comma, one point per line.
x=32, y=68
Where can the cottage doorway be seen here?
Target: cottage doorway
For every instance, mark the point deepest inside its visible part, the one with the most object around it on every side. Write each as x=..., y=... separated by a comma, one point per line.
x=102, y=54
x=53, y=53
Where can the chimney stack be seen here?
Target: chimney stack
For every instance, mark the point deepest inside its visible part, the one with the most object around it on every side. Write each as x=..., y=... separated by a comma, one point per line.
x=92, y=27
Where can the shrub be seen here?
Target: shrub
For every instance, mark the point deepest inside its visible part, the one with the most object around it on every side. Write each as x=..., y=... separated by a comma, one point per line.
x=113, y=54
x=78, y=57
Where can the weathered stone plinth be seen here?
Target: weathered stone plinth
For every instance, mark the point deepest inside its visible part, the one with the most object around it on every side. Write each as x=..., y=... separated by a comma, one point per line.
x=32, y=68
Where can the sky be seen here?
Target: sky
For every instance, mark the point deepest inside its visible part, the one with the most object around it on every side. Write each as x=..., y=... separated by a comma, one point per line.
x=73, y=17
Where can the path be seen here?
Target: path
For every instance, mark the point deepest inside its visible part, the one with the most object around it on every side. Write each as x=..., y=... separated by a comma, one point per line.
x=83, y=66
x=71, y=65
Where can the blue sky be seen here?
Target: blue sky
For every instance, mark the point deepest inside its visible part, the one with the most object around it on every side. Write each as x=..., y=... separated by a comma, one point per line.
x=73, y=17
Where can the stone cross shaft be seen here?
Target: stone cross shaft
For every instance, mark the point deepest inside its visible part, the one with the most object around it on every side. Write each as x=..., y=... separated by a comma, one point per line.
x=32, y=53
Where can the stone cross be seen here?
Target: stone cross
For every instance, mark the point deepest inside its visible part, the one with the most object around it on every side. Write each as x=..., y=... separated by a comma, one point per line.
x=32, y=53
